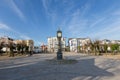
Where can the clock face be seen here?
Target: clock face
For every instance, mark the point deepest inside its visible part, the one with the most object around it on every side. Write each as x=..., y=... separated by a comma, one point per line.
x=59, y=34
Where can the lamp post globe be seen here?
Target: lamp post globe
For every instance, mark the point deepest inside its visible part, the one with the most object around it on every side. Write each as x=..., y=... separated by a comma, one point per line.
x=59, y=52
x=59, y=34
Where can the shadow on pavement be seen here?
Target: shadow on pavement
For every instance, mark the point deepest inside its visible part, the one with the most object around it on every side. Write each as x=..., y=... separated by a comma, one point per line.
x=85, y=69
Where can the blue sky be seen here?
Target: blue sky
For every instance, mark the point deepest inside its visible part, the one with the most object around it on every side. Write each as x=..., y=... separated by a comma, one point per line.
x=40, y=19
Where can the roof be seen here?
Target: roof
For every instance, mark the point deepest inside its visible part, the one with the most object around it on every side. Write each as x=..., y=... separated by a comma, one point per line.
x=78, y=38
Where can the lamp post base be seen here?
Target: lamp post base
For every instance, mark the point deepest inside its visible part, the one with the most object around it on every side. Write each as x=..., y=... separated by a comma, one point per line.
x=59, y=56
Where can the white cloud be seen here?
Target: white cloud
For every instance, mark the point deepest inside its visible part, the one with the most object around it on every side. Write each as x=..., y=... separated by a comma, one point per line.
x=116, y=12
x=46, y=6
x=4, y=27
x=50, y=13
x=95, y=26
x=85, y=9
x=98, y=21
x=110, y=30
x=77, y=23
x=16, y=9
x=8, y=31
x=20, y=35
x=24, y=37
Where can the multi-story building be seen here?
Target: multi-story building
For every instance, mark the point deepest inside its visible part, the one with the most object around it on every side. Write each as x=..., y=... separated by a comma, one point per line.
x=74, y=43
x=115, y=41
x=29, y=43
x=106, y=41
x=53, y=44
x=5, y=42
x=18, y=41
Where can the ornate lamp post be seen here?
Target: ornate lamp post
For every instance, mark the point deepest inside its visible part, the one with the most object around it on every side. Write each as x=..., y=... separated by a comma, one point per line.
x=59, y=52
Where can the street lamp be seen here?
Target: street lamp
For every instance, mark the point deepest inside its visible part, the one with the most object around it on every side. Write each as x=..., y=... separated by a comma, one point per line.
x=59, y=52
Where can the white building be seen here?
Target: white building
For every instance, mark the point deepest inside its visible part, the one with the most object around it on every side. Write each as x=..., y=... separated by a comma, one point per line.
x=115, y=41
x=105, y=41
x=75, y=42
x=53, y=44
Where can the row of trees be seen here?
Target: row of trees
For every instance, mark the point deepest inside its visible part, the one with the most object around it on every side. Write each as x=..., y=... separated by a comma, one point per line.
x=12, y=48
x=96, y=48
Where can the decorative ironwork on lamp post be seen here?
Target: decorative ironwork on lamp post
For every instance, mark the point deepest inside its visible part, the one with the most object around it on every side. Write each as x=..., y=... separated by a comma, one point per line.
x=59, y=52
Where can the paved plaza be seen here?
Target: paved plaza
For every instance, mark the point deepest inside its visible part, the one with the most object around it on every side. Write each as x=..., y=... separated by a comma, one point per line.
x=37, y=67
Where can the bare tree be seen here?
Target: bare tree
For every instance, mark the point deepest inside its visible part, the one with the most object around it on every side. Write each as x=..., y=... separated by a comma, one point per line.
x=1, y=46
x=11, y=47
x=97, y=47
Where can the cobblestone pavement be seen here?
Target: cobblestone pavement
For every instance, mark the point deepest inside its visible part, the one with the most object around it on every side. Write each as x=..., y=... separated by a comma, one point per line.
x=37, y=67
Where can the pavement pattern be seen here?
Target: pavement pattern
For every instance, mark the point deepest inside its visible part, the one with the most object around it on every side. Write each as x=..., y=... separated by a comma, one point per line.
x=37, y=67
